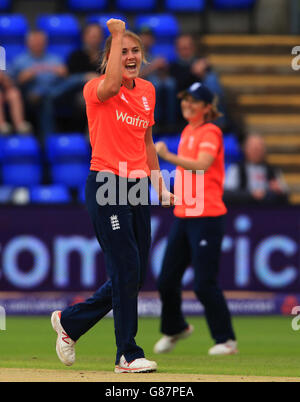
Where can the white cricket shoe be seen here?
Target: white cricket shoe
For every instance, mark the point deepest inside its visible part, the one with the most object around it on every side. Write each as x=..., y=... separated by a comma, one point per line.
x=168, y=343
x=222, y=349
x=136, y=366
x=65, y=346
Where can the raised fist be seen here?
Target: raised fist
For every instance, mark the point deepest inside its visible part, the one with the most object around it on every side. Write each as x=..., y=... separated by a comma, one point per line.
x=116, y=26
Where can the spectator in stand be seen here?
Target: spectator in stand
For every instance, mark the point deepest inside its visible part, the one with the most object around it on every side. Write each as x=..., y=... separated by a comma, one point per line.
x=86, y=60
x=254, y=181
x=157, y=72
x=37, y=72
x=82, y=66
x=189, y=68
x=11, y=96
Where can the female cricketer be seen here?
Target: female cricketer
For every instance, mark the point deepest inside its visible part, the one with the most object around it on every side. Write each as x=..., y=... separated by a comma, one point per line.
x=120, y=110
x=196, y=235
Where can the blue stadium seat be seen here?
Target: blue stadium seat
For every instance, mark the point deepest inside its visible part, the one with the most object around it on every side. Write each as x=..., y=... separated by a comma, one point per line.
x=13, y=26
x=59, y=27
x=185, y=6
x=87, y=5
x=21, y=148
x=21, y=161
x=69, y=157
x=50, y=194
x=5, y=5
x=136, y=5
x=164, y=26
x=20, y=174
x=101, y=19
x=233, y=4
x=13, y=29
x=13, y=51
x=63, y=32
x=70, y=174
x=232, y=149
x=62, y=147
x=166, y=50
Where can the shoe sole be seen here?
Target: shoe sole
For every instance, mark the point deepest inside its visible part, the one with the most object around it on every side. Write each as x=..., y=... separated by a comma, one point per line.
x=119, y=370
x=54, y=323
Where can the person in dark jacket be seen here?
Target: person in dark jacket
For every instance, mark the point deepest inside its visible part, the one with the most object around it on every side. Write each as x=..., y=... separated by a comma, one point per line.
x=253, y=180
x=189, y=67
x=86, y=59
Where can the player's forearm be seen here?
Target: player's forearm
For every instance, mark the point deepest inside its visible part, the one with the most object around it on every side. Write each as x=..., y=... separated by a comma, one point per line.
x=157, y=180
x=113, y=73
x=187, y=164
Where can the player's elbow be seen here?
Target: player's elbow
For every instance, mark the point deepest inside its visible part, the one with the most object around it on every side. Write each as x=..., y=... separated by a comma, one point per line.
x=105, y=92
x=113, y=90
x=201, y=168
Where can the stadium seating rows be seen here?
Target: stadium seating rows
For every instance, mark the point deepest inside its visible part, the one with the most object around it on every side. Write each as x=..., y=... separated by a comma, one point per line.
x=13, y=27
x=64, y=29
x=68, y=157
x=21, y=158
x=152, y=5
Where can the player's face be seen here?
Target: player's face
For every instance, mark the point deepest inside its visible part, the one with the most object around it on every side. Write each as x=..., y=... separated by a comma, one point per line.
x=131, y=58
x=192, y=110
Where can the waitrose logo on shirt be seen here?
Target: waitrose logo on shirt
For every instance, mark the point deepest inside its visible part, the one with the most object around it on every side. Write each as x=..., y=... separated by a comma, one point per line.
x=132, y=120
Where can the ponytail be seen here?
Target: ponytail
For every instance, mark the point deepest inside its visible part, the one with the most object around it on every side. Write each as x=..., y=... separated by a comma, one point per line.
x=214, y=113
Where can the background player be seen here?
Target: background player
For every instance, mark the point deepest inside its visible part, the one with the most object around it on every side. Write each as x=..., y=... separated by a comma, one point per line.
x=196, y=235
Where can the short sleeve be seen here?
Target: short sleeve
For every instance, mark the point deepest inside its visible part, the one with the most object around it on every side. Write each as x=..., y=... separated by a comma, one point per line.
x=210, y=143
x=90, y=91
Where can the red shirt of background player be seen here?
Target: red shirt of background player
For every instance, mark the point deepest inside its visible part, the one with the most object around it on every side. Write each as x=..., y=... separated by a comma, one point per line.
x=206, y=138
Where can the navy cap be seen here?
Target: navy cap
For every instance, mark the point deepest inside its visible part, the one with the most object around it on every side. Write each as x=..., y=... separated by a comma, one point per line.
x=199, y=92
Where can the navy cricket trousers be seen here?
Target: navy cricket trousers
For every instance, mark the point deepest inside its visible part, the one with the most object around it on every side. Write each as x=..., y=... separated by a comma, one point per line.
x=124, y=234
x=195, y=241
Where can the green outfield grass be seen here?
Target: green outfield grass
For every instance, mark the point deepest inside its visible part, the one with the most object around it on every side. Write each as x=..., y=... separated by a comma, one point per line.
x=268, y=347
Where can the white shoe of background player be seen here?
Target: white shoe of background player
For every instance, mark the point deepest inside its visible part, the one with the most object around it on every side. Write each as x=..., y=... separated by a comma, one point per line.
x=168, y=343
x=65, y=346
x=222, y=349
x=141, y=365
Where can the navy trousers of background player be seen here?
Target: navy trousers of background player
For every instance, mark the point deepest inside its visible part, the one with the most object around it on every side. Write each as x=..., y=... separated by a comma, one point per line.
x=125, y=241
x=196, y=242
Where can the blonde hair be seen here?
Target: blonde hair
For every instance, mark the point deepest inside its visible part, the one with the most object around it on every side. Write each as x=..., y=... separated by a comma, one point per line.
x=214, y=113
x=107, y=47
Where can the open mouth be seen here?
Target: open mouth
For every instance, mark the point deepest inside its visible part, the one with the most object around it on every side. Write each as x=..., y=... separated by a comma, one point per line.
x=131, y=67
